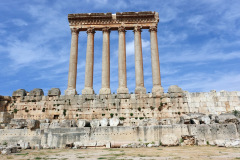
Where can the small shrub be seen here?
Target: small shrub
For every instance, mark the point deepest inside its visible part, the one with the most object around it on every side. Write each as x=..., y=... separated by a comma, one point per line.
x=34, y=100
x=141, y=118
x=26, y=110
x=43, y=110
x=152, y=108
x=103, y=114
x=179, y=113
x=136, y=117
x=114, y=104
x=76, y=115
x=122, y=118
x=116, y=114
x=5, y=143
x=160, y=108
x=111, y=114
x=131, y=114
x=181, y=140
x=207, y=143
x=15, y=110
x=161, y=104
x=64, y=112
x=139, y=109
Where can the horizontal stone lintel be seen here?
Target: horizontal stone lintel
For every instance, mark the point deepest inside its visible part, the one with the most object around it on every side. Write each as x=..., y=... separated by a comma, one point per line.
x=126, y=19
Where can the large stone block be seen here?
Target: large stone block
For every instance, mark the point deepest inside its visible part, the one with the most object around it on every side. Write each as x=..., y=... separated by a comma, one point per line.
x=19, y=93
x=36, y=92
x=54, y=92
x=5, y=117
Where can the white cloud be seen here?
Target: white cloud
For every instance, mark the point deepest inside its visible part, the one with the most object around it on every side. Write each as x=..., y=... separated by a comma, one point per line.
x=19, y=22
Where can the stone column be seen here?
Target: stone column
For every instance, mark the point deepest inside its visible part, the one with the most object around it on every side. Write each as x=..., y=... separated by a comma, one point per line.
x=88, y=89
x=72, y=74
x=122, y=72
x=106, y=62
x=156, y=78
x=138, y=61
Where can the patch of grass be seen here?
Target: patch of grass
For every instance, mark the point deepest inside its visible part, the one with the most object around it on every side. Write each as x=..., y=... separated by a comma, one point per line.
x=38, y=158
x=21, y=154
x=80, y=157
x=10, y=157
x=102, y=158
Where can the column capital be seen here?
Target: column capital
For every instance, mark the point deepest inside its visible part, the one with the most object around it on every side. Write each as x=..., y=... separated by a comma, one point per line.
x=153, y=28
x=121, y=29
x=74, y=30
x=106, y=29
x=137, y=29
x=91, y=30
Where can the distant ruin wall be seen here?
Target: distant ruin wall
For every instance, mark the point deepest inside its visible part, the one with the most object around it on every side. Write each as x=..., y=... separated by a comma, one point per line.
x=130, y=107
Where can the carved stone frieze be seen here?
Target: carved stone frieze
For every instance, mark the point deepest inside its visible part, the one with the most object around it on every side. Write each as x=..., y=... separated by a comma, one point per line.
x=91, y=30
x=153, y=28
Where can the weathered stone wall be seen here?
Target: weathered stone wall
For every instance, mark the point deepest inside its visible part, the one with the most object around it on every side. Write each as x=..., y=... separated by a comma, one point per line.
x=130, y=107
x=101, y=136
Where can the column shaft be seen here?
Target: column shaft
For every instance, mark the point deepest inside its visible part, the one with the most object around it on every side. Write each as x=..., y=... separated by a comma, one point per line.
x=138, y=62
x=88, y=89
x=122, y=72
x=106, y=62
x=156, y=78
x=72, y=74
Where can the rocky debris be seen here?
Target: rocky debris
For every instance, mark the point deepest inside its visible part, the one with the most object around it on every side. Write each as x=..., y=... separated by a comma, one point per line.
x=188, y=140
x=104, y=122
x=18, y=123
x=19, y=93
x=226, y=118
x=95, y=123
x=204, y=119
x=54, y=92
x=68, y=123
x=139, y=145
x=36, y=92
x=83, y=123
x=169, y=140
x=33, y=124
x=5, y=150
x=114, y=121
x=195, y=118
x=23, y=144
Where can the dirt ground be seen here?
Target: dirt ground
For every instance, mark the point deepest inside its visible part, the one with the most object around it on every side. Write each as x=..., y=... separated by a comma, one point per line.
x=163, y=153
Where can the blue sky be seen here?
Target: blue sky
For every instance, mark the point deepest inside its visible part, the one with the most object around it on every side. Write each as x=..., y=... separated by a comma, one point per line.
x=199, y=44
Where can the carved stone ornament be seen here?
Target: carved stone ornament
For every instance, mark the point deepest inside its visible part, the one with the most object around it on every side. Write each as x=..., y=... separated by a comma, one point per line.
x=74, y=30
x=91, y=30
x=121, y=29
x=153, y=28
x=106, y=29
x=137, y=29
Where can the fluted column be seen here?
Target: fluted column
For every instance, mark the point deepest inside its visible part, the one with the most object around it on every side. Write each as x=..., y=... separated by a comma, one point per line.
x=122, y=72
x=156, y=78
x=72, y=74
x=106, y=62
x=88, y=89
x=138, y=61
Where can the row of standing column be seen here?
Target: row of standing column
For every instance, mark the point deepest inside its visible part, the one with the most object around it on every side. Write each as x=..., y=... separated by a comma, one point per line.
x=122, y=73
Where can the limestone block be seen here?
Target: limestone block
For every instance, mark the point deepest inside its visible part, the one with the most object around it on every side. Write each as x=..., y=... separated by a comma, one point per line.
x=54, y=124
x=95, y=123
x=5, y=117
x=204, y=120
x=114, y=121
x=54, y=92
x=233, y=143
x=19, y=93
x=36, y=92
x=23, y=144
x=104, y=122
x=44, y=125
x=18, y=123
x=83, y=123
x=68, y=123
x=220, y=143
x=169, y=140
x=226, y=118
x=33, y=124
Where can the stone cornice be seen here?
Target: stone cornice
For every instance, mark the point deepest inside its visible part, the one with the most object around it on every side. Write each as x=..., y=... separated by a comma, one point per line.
x=100, y=20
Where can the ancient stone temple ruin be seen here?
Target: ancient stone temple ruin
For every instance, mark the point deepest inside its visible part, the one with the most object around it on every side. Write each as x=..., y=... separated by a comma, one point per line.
x=177, y=117
x=121, y=22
